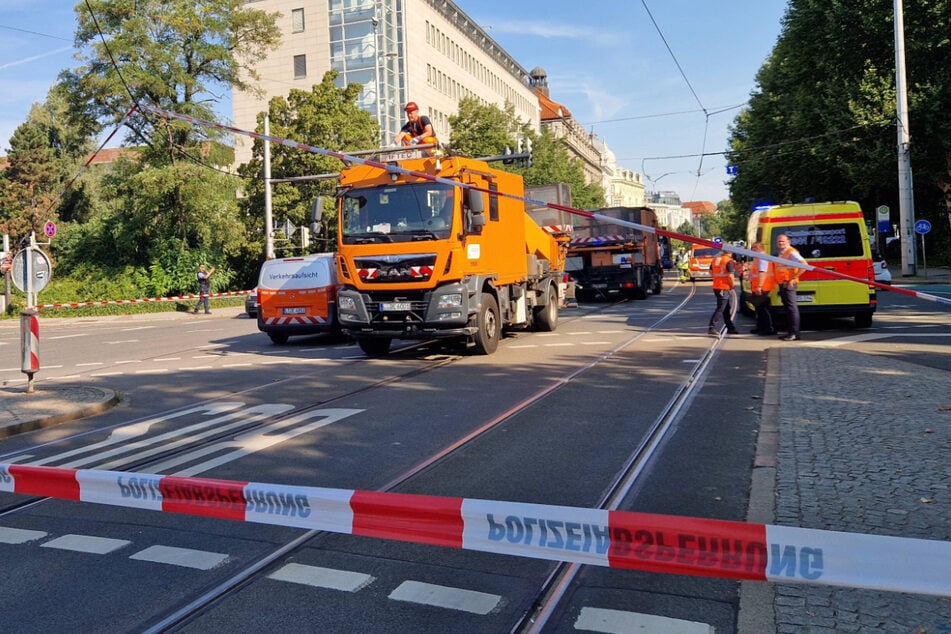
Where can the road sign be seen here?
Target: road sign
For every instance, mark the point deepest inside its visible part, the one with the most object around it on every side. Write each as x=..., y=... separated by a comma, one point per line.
x=922, y=227
x=41, y=269
x=49, y=229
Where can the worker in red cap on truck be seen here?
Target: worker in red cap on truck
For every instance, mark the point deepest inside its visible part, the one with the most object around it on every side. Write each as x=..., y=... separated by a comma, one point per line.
x=419, y=129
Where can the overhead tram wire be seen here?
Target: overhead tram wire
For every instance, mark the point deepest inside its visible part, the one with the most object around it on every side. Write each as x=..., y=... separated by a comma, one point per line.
x=706, y=113
x=135, y=102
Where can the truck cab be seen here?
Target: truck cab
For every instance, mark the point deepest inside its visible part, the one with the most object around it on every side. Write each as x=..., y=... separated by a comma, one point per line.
x=430, y=251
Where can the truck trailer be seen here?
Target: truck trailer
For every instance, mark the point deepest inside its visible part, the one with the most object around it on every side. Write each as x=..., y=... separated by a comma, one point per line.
x=430, y=251
x=611, y=260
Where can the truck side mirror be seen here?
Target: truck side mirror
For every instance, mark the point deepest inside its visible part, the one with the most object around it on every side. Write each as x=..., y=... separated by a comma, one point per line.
x=475, y=216
x=316, y=211
x=475, y=200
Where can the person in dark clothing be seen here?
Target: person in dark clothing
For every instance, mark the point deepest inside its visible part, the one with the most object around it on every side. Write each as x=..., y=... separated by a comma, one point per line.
x=204, y=288
x=418, y=128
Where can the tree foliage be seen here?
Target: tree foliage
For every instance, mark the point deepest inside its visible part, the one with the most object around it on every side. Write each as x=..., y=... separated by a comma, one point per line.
x=486, y=130
x=822, y=122
x=180, y=55
x=326, y=117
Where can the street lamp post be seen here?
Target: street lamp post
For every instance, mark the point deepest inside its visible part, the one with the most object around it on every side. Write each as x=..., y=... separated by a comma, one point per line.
x=376, y=71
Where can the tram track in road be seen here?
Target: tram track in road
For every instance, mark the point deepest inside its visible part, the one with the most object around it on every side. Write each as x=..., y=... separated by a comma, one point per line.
x=547, y=595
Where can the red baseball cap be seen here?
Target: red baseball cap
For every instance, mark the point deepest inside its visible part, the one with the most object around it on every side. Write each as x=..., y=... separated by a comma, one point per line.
x=411, y=107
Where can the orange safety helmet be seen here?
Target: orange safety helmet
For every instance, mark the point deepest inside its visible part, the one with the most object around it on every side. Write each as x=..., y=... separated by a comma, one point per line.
x=411, y=107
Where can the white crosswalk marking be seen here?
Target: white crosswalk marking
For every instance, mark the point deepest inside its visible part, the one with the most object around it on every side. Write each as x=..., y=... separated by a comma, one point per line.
x=185, y=557
x=319, y=577
x=445, y=597
x=620, y=622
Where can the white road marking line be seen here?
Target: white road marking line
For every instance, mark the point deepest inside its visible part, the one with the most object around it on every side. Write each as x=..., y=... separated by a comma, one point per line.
x=445, y=597
x=136, y=328
x=129, y=361
x=154, y=371
x=557, y=345
x=319, y=577
x=114, y=343
x=236, y=365
x=206, y=356
x=619, y=622
x=185, y=557
x=83, y=365
x=107, y=374
x=82, y=334
x=86, y=544
x=64, y=377
x=168, y=359
x=594, y=343
x=19, y=535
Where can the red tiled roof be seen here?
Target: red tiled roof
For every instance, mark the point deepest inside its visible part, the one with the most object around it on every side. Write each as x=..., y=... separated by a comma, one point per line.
x=700, y=206
x=551, y=109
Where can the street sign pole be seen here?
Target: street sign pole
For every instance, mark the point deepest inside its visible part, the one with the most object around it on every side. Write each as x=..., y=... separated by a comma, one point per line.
x=921, y=228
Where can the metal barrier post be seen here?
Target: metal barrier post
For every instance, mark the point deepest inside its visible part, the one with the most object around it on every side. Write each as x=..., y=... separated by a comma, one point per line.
x=30, y=346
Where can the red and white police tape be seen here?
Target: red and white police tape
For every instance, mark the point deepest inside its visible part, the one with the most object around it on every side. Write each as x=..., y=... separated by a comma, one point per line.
x=617, y=539
x=147, y=300
x=396, y=169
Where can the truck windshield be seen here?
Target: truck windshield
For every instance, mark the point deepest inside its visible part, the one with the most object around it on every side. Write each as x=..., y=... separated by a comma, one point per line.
x=397, y=213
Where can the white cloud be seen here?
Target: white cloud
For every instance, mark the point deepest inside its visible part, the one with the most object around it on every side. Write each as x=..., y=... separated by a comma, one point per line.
x=551, y=30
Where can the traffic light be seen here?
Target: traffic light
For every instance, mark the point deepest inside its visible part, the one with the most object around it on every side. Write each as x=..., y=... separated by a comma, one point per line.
x=524, y=152
x=507, y=152
x=304, y=237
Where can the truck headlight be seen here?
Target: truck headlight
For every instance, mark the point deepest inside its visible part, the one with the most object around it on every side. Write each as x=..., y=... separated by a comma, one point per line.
x=345, y=302
x=449, y=301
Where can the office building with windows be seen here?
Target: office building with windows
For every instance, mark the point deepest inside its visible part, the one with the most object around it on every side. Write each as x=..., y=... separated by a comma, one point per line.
x=426, y=51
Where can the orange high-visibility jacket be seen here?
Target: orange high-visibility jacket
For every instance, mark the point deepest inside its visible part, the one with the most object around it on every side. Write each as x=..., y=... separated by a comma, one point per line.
x=723, y=279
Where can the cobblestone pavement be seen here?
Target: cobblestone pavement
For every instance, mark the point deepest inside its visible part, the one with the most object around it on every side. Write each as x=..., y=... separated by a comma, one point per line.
x=863, y=446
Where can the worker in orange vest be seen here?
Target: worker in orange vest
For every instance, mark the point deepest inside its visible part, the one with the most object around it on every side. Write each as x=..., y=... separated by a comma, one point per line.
x=787, y=279
x=761, y=284
x=724, y=279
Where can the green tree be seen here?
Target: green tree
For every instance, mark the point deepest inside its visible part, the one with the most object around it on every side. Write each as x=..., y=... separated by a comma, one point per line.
x=327, y=117
x=180, y=56
x=822, y=121
x=169, y=203
x=487, y=130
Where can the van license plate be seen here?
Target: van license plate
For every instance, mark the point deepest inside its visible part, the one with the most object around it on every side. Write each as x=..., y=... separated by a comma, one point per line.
x=296, y=310
x=395, y=306
x=599, y=285
x=805, y=299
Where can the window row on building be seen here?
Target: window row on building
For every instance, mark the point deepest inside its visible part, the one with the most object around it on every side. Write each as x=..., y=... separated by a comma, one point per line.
x=444, y=44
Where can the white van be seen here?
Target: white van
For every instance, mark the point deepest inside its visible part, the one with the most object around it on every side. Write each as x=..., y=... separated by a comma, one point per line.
x=298, y=296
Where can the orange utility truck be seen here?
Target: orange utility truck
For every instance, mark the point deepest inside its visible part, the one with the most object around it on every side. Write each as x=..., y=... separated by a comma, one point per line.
x=419, y=258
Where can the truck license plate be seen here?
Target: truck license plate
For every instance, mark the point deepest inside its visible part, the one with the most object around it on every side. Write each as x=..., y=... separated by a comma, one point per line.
x=295, y=310
x=805, y=299
x=395, y=306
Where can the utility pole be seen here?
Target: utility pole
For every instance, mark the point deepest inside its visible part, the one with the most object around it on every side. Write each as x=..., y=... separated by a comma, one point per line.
x=268, y=220
x=906, y=198
x=376, y=81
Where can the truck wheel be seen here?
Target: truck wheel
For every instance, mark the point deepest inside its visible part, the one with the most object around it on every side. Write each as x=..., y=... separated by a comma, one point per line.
x=374, y=346
x=278, y=337
x=488, y=327
x=545, y=318
x=863, y=320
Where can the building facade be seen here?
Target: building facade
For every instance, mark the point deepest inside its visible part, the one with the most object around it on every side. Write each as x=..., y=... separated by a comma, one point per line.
x=426, y=51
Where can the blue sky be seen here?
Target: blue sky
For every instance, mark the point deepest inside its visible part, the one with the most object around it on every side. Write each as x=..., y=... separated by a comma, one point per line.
x=606, y=61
